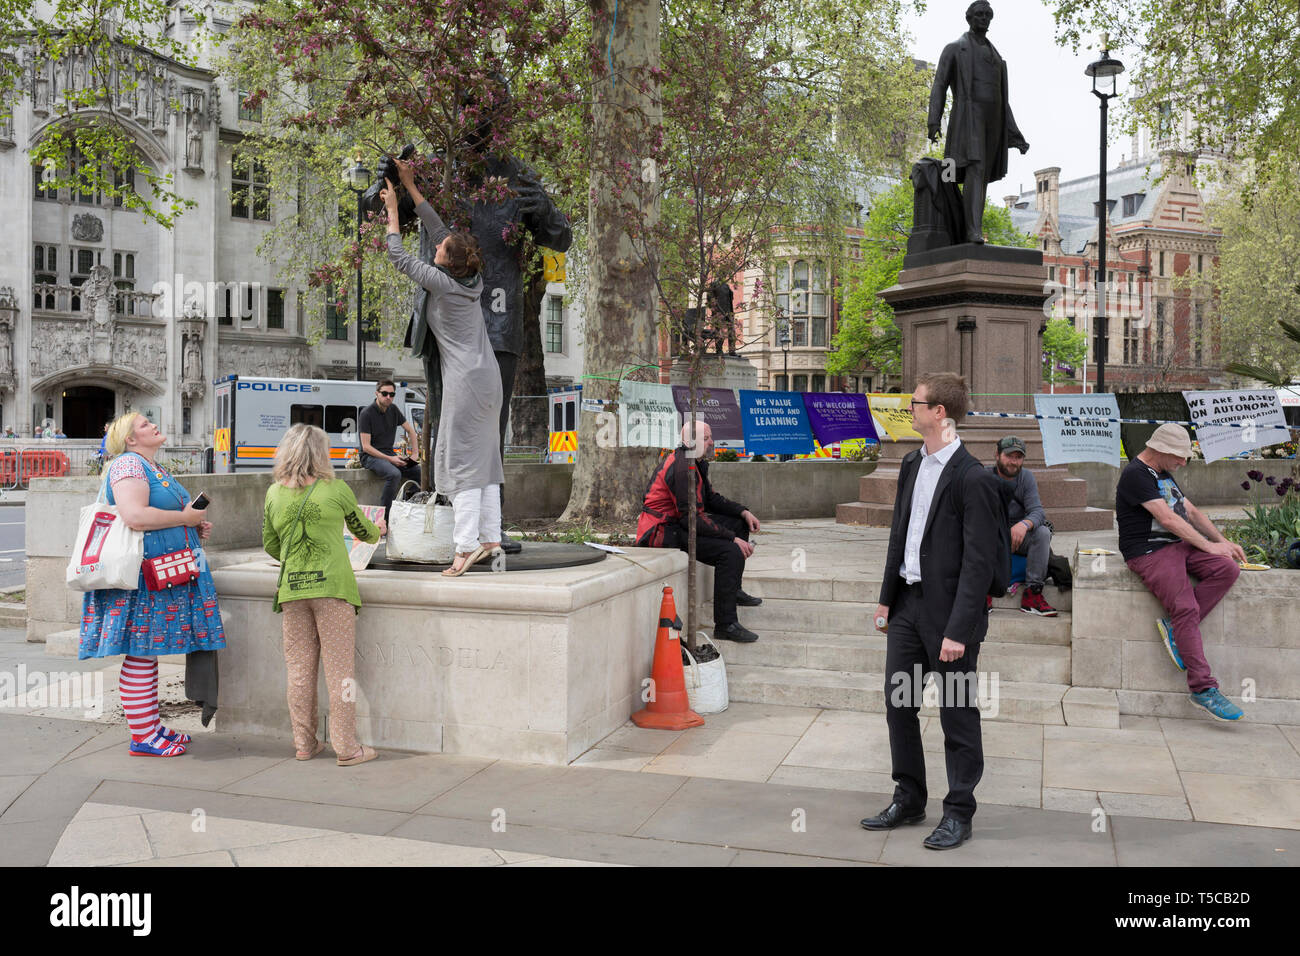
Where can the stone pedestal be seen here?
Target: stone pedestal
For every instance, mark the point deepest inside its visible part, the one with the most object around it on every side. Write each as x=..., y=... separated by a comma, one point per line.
x=535, y=666
x=717, y=371
x=977, y=310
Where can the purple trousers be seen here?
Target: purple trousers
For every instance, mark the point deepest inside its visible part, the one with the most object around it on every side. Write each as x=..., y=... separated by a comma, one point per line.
x=1164, y=572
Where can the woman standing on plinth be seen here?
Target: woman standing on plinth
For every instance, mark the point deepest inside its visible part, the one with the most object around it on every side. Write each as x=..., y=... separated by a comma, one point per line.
x=143, y=624
x=467, y=456
x=302, y=528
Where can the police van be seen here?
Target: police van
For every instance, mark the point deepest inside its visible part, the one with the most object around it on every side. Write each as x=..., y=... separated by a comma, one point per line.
x=252, y=415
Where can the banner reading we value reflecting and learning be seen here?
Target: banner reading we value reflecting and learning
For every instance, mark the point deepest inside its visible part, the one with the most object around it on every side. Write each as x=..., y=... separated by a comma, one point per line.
x=776, y=423
x=893, y=414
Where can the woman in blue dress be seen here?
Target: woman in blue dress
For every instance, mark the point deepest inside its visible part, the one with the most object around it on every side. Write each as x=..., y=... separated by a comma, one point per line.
x=144, y=624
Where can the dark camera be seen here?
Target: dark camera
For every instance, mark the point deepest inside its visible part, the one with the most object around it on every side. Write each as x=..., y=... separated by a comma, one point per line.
x=387, y=172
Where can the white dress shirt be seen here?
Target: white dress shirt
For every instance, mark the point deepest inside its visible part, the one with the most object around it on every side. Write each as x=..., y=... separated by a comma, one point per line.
x=927, y=477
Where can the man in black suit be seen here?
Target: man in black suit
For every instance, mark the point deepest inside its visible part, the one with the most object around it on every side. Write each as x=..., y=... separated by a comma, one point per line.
x=942, y=549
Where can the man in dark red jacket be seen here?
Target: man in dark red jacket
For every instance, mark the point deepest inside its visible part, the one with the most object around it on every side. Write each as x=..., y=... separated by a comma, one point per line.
x=722, y=527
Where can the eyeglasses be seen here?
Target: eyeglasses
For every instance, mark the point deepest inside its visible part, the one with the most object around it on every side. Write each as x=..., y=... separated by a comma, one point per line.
x=388, y=394
x=915, y=402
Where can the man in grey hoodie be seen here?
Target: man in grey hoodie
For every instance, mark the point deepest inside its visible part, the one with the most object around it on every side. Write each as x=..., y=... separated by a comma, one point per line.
x=1030, y=535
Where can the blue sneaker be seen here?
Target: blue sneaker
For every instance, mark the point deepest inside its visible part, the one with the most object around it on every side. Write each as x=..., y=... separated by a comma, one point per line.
x=1220, y=707
x=1166, y=629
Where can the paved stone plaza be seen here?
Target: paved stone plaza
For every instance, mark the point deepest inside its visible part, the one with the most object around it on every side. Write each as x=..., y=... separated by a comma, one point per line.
x=762, y=783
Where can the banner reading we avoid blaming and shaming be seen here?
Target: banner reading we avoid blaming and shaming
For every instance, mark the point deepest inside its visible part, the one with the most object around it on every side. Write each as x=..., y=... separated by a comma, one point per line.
x=776, y=423
x=1257, y=413
x=1076, y=428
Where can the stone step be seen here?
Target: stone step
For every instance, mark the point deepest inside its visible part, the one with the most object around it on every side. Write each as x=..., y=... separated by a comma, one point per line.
x=1160, y=703
x=1057, y=488
x=878, y=515
x=855, y=618
x=1019, y=702
x=13, y=615
x=1040, y=663
x=63, y=643
x=864, y=590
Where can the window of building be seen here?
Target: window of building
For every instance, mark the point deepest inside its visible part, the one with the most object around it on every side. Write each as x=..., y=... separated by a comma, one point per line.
x=1161, y=269
x=246, y=114
x=370, y=333
x=1197, y=333
x=802, y=296
x=1051, y=273
x=1130, y=342
x=1200, y=263
x=81, y=262
x=39, y=189
x=819, y=383
x=45, y=272
x=123, y=182
x=250, y=188
x=1160, y=333
x=275, y=308
x=782, y=384
x=866, y=384
x=850, y=383
x=225, y=316
x=336, y=322
x=1165, y=120
x=1132, y=203
x=554, y=323
x=801, y=383
x=187, y=420
x=124, y=280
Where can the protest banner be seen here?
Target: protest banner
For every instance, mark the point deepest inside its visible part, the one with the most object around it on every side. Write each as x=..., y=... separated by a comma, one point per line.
x=717, y=407
x=1257, y=412
x=1076, y=428
x=776, y=423
x=838, y=416
x=647, y=416
x=893, y=415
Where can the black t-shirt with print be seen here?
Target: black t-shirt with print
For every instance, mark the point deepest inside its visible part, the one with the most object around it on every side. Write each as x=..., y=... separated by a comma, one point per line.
x=1139, y=532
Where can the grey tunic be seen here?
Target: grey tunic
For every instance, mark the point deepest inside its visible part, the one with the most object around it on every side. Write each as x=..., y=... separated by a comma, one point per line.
x=466, y=454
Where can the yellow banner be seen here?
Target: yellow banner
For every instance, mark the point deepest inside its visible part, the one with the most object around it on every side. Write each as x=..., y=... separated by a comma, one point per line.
x=553, y=266
x=893, y=413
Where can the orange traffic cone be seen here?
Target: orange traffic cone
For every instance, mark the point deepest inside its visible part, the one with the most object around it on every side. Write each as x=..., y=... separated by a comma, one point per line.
x=668, y=708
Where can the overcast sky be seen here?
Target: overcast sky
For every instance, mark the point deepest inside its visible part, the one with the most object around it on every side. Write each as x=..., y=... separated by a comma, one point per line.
x=1050, y=95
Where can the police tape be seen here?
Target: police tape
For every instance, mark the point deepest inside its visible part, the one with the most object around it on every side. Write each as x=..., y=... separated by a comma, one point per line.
x=1122, y=421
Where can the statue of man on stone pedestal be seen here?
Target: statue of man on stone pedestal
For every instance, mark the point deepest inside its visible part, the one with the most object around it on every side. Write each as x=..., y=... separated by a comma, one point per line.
x=980, y=127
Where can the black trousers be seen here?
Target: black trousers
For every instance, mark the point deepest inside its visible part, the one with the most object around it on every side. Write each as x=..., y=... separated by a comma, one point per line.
x=723, y=556
x=908, y=648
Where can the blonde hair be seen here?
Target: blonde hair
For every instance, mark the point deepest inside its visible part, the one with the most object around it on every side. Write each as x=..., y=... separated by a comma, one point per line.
x=303, y=454
x=119, y=432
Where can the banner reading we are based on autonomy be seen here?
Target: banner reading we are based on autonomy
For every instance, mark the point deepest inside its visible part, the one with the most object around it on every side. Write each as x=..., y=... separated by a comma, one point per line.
x=776, y=423
x=1076, y=428
x=1258, y=412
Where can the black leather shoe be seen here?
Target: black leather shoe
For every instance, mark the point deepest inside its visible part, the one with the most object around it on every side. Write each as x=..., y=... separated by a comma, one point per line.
x=950, y=833
x=511, y=545
x=747, y=600
x=734, y=632
x=895, y=815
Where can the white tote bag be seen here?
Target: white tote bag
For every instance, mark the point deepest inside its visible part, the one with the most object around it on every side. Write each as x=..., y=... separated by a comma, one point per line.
x=706, y=684
x=420, y=532
x=106, y=553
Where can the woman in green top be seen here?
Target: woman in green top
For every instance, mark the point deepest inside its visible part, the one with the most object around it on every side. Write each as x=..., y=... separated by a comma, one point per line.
x=302, y=528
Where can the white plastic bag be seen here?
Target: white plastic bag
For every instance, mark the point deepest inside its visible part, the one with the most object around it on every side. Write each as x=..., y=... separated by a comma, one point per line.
x=106, y=553
x=420, y=532
x=706, y=684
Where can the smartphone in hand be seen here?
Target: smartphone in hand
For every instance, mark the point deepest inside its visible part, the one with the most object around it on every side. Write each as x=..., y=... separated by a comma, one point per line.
x=200, y=502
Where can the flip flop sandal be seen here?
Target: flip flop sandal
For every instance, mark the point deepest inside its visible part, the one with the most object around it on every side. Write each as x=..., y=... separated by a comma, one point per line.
x=367, y=753
x=305, y=755
x=478, y=554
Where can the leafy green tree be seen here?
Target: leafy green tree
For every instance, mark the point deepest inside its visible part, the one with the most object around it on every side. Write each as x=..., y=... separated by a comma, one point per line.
x=867, y=336
x=111, y=46
x=1065, y=345
x=1230, y=67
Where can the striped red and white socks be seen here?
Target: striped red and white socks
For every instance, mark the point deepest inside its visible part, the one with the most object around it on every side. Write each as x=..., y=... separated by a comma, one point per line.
x=138, y=690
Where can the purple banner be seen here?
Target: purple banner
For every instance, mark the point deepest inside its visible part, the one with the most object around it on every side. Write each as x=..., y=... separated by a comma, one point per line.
x=839, y=416
x=717, y=407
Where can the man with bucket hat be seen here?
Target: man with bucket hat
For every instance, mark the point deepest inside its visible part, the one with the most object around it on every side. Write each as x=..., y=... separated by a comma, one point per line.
x=1164, y=537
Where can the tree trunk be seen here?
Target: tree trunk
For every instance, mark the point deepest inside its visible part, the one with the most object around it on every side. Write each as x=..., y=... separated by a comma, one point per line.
x=528, y=415
x=621, y=300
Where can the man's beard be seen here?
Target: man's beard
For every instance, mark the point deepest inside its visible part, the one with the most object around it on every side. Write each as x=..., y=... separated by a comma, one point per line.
x=1003, y=472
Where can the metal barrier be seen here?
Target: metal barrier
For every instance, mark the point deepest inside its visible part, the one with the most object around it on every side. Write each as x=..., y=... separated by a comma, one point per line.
x=18, y=465
x=526, y=451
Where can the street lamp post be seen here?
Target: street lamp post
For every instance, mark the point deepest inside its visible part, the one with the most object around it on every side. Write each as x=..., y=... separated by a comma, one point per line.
x=1104, y=73
x=358, y=180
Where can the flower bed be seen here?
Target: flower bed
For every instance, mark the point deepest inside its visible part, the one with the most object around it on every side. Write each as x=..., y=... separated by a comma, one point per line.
x=1270, y=530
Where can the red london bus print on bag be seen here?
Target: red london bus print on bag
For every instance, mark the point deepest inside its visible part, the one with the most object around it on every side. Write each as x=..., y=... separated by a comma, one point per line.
x=169, y=570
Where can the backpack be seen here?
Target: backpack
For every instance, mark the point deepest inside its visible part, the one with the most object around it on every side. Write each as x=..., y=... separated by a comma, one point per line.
x=1002, y=557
